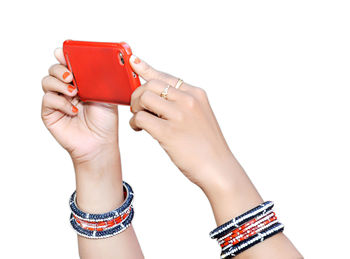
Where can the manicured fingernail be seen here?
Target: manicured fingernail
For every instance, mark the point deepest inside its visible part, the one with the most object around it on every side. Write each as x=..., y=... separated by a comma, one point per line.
x=71, y=88
x=130, y=108
x=65, y=75
x=135, y=59
x=74, y=109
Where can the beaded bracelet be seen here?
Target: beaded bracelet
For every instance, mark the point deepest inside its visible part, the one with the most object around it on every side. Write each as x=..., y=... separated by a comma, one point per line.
x=246, y=230
x=128, y=194
x=105, y=233
x=236, y=234
x=237, y=221
x=106, y=224
x=257, y=238
x=102, y=225
x=256, y=229
x=243, y=228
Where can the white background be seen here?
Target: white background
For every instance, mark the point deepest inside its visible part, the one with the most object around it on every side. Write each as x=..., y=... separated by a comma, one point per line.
x=277, y=76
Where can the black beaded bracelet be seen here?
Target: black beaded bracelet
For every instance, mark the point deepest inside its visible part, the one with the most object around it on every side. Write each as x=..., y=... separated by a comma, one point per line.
x=104, y=216
x=246, y=230
x=253, y=240
x=241, y=219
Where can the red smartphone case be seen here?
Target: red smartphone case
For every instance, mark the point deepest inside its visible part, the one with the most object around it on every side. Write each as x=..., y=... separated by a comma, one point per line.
x=101, y=70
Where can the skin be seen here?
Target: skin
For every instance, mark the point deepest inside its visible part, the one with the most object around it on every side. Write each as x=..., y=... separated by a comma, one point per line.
x=91, y=138
x=186, y=128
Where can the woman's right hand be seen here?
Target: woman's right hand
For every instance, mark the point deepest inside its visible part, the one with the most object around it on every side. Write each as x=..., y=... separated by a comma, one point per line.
x=189, y=133
x=187, y=128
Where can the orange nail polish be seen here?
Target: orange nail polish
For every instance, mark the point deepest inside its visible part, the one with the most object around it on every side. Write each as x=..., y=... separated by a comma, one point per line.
x=74, y=109
x=65, y=75
x=137, y=61
x=71, y=88
x=130, y=108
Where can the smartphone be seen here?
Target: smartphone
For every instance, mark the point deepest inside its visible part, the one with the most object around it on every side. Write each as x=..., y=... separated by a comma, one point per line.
x=101, y=70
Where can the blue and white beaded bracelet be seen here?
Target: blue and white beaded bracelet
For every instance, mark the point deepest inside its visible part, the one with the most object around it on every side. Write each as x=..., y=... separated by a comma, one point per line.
x=106, y=224
x=109, y=232
x=241, y=219
x=105, y=216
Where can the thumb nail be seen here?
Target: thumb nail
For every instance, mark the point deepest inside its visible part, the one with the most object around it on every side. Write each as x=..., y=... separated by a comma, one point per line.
x=135, y=59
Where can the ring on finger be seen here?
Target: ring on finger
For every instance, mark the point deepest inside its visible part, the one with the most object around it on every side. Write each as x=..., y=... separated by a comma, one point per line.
x=164, y=94
x=179, y=83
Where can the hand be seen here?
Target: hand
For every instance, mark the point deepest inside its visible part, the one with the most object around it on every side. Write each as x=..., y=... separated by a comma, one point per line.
x=89, y=132
x=85, y=130
x=186, y=127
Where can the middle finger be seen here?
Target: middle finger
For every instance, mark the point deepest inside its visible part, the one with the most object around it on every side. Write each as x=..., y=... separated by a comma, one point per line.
x=61, y=72
x=152, y=102
x=50, y=83
x=157, y=87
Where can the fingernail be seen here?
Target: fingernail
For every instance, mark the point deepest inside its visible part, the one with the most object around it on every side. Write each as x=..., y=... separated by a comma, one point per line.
x=65, y=75
x=130, y=108
x=135, y=59
x=71, y=88
x=74, y=109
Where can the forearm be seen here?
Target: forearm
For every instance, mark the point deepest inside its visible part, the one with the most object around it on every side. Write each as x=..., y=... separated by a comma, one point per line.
x=232, y=193
x=100, y=189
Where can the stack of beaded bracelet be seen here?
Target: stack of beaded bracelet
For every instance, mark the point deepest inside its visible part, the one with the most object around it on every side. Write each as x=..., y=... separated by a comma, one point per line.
x=103, y=225
x=246, y=230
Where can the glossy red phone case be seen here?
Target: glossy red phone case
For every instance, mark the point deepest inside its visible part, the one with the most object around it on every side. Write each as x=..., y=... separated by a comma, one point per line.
x=101, y=70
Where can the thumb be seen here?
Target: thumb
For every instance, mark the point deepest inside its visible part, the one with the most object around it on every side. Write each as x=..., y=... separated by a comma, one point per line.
x=148, y=73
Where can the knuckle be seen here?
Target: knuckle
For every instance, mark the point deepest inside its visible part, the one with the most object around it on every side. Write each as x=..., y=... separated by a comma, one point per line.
x=44, y=82
x=136, y=92
x=200, y=93
x=45, y=79
x=191, y=102
x=148, y=70
x=139, y=118
x=47, y=98
x=179, y=116
x=145, y=97
x=43, y=100
x=150, y=83
x=52, y=68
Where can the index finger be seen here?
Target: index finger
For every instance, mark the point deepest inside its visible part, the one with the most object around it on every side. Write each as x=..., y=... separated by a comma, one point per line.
x=149, y=73
x=60, y=56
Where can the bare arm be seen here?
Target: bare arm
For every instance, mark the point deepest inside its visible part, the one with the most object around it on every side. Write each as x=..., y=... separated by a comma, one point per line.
x=188, y=131
x=89, y=132
x=100, y=189
x=232, y=193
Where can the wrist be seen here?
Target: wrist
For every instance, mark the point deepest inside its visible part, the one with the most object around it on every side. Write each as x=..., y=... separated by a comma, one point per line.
x=99, y=182
x=229, y=190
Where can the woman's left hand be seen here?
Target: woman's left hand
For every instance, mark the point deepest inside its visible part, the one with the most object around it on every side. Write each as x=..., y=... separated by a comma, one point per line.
x=184, y=124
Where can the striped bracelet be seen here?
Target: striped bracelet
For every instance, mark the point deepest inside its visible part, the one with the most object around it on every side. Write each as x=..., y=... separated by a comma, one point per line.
x=241, y=235
x=246, y=230
x=257, y=238
x=237, y=221
x=106, y=224
x=260, y=227
x=244, y=227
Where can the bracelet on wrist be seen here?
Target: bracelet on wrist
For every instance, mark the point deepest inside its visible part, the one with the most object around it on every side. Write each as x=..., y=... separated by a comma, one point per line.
x=246, y=230
x=105, y=224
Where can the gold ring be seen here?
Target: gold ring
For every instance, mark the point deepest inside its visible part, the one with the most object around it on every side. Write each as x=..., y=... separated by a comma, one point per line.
x=164, y=94
x=179, y=83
